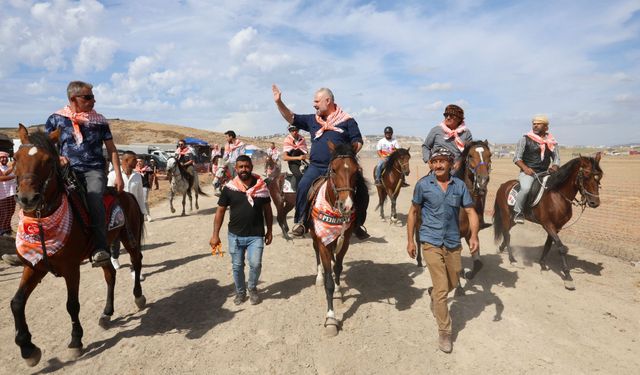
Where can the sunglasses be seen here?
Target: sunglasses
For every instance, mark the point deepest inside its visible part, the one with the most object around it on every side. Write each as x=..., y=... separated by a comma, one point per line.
x=86, y=97
x=449, y=115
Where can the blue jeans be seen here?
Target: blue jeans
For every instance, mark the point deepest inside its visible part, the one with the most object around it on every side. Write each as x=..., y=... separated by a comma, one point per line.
x=252, y=246
x=379, y=168
x=525, y=185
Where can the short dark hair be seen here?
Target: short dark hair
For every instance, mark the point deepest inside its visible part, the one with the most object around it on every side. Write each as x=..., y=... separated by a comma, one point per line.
x=245, y=158
x=130, y=153
x=182, y=140
x=230, y=133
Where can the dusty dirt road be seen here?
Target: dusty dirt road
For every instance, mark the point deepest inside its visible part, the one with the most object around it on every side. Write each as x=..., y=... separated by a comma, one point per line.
x=512, y=320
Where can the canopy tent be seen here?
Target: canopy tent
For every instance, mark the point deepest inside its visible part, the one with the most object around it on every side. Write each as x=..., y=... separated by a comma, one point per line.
x=195, y=141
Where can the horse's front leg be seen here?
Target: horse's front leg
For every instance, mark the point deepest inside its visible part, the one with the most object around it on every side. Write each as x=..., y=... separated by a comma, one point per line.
x=190, y=200
x=545, y=251
x=184, y=201
x=394, y=215
x=330, y=323
x=72, y=278
x=171, y=195
x=563, y=250
x=30, y=279
x=196, y=193
x=110, y=278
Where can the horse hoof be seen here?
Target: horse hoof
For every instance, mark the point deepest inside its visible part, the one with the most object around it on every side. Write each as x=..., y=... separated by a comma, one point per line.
x=75, y=353
x=569, y=285
x=141, y=302
x=34, y=358
x=331, y=327
x=104, y=321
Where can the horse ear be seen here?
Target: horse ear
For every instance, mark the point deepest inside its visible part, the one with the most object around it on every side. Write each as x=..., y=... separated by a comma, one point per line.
x=23, y=134
x=332, y=147
x=598, y=157
x=408, y=148
x=54, y=135
x=486, y=143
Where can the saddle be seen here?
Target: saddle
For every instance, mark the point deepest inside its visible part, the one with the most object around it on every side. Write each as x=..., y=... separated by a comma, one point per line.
x=535, y=194
x=114, y=212
x=311, y=195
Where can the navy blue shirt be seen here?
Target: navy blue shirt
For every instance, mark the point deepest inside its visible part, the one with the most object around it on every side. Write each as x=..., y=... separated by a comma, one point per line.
x=440, y=210
x=320, y=154
x=87, y=155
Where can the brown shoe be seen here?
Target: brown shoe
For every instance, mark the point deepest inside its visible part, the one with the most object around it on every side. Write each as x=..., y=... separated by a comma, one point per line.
x=444, y=342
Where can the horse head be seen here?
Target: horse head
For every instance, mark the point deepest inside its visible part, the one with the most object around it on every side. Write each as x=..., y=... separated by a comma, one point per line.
x=401, y=157
x=478, y=165
x=37, y=171
x=588, y=180
x=342, y=172
x=219, y=177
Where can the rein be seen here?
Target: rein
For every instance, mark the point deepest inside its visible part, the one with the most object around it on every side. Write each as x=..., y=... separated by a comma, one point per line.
x=345, y=216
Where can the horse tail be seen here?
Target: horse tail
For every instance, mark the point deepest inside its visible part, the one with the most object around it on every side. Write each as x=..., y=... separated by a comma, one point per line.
x=498, y=227
x=197, y=188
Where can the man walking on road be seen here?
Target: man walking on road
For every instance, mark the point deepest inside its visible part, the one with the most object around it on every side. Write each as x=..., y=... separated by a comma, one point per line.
x=437, y=197
x=247, y=197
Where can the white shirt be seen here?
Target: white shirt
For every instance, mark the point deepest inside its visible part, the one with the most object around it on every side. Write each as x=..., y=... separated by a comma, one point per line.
x=273, y=153
x=7, y=188
x=132, y=184
x=387, y=147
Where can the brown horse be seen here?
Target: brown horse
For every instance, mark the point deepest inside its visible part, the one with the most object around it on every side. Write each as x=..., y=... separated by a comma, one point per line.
x=474, y=171
x=396, y=166
x=40, y=193
x=583, y=175
x=284, y=201
x=331, y=244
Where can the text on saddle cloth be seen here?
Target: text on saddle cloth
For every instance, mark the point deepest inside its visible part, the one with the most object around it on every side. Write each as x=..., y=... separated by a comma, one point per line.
x=328, y=223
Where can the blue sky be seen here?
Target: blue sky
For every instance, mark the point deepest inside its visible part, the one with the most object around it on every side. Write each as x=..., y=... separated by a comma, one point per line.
x=210, y=64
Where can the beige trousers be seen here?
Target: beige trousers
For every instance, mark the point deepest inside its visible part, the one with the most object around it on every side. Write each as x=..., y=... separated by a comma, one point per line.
x=444, y=266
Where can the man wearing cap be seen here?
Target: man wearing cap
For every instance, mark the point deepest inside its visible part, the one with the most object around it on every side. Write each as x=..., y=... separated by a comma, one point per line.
x=295, y=153
x=535, y=151
x=385, y=147
x=437, y=198
x=452, y=134
x=329, y=124
x=7, y=193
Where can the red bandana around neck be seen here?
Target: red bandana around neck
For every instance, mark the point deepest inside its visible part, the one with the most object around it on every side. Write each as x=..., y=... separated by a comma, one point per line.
x=259, y=190
x=454, y=133
x=543, y=142
x=230, y=147
x=81, y=118
x=338, y=116
x=291, y=144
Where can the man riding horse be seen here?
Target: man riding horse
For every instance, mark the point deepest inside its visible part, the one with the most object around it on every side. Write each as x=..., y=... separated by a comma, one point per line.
x=534, y=153
x=329, y=123
x=385, y=147
x=186, y=157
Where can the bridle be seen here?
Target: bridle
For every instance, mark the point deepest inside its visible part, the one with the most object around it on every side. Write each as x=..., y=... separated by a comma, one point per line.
x=336, y=190
x=474, y=171
x=42, y=205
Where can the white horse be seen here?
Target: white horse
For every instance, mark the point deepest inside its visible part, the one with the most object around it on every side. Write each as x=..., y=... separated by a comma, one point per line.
x=182, y=182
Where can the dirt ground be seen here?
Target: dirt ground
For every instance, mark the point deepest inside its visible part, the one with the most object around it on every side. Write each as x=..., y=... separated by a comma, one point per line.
x=513, y=320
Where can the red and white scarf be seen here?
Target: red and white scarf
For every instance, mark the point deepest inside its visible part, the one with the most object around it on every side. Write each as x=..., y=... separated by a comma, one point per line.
x=57, y=228
x=142, y=170
x=183, y=151
x=259, y=190
x=325, y=230
x=231, y=147
x=543, y=142
x=454, y=133
x=81, y=118
x=291, y=144
x=338, y=116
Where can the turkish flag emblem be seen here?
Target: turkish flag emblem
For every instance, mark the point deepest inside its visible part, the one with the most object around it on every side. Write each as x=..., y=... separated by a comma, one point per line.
x=31, y=229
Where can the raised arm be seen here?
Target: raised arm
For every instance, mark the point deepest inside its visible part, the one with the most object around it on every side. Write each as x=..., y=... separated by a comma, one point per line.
x=284, y=111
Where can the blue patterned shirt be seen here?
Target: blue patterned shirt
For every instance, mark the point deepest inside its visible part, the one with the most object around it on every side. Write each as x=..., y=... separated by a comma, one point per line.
x=87, y=155
x=440, y=210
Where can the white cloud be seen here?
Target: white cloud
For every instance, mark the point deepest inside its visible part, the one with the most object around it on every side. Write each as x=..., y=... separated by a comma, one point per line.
x=267, y=62
x=94, y=54
x=242, y=40
x=435, y=106
x=437, y=86
x=36, y=88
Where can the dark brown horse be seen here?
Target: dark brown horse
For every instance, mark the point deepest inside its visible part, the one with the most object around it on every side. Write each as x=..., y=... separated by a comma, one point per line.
x=40, y=193
x=396, y=167
x=474, y=171
x=284, y=201
x=331, y=246
x=583, y=175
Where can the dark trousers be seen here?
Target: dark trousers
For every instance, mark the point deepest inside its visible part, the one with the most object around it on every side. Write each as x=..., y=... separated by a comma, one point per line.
x=294, y=167
x=361, y=199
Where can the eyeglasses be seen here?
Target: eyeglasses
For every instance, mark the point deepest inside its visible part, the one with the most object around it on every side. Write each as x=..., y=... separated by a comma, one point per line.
x=86, y=97
x=449, y=115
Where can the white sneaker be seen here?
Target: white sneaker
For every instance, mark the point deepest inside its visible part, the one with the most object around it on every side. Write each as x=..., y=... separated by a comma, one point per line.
x=133, y=276
x=115, y=263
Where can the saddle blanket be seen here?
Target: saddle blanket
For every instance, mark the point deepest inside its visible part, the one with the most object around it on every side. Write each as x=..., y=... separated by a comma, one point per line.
x=513, y=193
x=57, y=228
x=328, y=224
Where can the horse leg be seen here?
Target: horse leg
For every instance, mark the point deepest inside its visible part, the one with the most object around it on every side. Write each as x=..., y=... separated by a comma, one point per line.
x=72, y=278
x=282, y=222
x=190, y=200
x=330, y=323
x=320, y=274
x=110, y=278
x=394, y=215
x=547, y=247
x=132, y=240
x=171, y=195
x=30, y=279
x=184, y=201
x=381, y=198
x=337, y=267
x=563, y=250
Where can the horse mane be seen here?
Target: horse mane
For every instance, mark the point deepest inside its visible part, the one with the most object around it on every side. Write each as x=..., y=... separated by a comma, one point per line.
x=343, y=149
x=558, y=178
x=396, y=155
x=41, y=139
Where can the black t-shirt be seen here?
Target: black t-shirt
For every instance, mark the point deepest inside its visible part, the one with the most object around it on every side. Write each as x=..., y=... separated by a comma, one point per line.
x=244, y=220
x=295, y=153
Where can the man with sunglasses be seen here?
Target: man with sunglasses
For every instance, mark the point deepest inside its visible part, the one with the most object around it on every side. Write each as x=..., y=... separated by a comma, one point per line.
x=83, y=131
x=451, y=134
